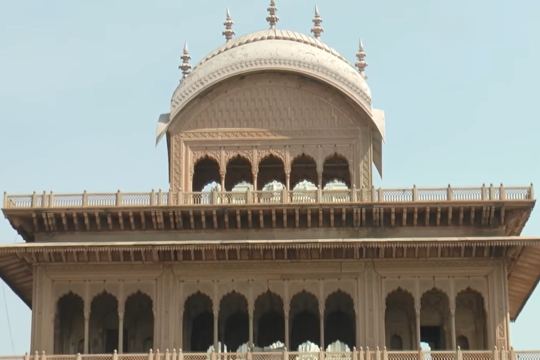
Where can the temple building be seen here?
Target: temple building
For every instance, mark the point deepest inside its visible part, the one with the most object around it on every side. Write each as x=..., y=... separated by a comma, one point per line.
x=272, y=237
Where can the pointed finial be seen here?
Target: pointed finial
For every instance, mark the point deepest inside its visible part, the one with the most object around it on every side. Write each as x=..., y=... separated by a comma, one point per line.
x=228, y=32
x=272, y=18
x=317, y=29
x=361, y=64
x=185, y=66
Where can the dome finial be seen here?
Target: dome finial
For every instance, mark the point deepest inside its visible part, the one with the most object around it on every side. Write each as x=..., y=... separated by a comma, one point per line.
x=317, y=29
x=272, y=18
x=361, y=64
x=185, y=66
x=228, y=32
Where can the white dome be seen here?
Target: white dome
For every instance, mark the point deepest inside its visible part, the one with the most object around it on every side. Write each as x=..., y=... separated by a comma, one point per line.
x=272, y=50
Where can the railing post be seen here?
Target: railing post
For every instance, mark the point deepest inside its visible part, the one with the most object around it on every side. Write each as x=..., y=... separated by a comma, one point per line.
x=512, y=354
x=249, y=354
x=285, y=353
x=319, y=195
x=368, y=353
x=36, y=355
x=414, y=193
x=78, y=357
x=483, y=190
x=170, y=198
x=321, y=354
x=153, y=197
x=180, y=197
x=84, y=199
x=51, y=199
x=354, y=194
x=215, y=197
x=159, y=197
x=502, y=192
x=449, y=193
x=284, y=195
x=361, y=355
x=459, y=354
x=26, y=356
x=157, y=355
x=491, y=192
x=180, y=354
x=115, y=355
x=248, y=196
x=150, y=355
x=531, y=192
x=420, y=355
x=118, y=198
x=380, y=195
x=495, y=353
x=167, y=354
x=6, y=200
x=43, y=355
x=33, y=203
x=354, y=353
x=384, y=354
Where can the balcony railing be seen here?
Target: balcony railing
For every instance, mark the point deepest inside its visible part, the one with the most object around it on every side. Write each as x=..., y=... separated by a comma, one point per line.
x=362, y=195
x=361, y=354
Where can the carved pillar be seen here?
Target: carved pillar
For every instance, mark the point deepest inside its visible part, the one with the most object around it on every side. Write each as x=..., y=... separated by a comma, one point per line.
x=215, y=309
x=288, y=180
x=250, y=315
x=255, y=174
x=321, y=314
x=286, y=310
x=417, y=311
x=452, y=305
x=222, y=179
x=120, y=332
x=86, y=318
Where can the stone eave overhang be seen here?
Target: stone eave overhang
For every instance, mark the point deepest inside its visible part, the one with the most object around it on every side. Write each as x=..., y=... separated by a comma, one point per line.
x=522, y=255
x=508, y=216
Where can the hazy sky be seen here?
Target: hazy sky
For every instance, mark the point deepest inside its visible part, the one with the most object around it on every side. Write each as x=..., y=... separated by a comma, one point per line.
x=82, y=84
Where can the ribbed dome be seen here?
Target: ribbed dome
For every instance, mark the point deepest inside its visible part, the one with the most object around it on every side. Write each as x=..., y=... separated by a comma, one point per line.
x=272, y=50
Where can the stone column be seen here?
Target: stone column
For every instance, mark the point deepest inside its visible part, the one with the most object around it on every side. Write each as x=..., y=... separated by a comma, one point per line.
x=120, y=331
x=250, y=315
x=286, y=310
x=452, y=305
x=255, y=174
x=215, y=309
x=321, y=325
x=87, y=304
x=417, y=310
x=222, y=180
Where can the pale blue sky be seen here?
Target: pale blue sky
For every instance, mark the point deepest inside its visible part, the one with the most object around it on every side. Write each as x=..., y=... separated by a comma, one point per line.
x=83, y=82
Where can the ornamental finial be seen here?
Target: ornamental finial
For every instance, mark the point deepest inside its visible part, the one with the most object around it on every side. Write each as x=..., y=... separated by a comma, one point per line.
x=228, y=32
x=317, y=29
x=185, y=66
x=272, y=18
x=361, y=64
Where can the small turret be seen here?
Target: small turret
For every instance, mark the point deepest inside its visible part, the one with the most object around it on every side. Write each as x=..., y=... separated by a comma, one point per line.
x=228, y=32
x=361, y=63
x=272, y=17
x=185, y=66
x=317, y=29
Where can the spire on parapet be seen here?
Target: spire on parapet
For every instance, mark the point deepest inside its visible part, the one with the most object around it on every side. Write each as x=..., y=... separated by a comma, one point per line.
x=272, y=18
x=361, y=63
x=317, y=29
x=228, y=32
x=185, y=66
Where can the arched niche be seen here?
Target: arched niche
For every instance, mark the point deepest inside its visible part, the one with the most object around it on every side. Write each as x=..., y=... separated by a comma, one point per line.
x=434, y=319
x=238, y=170
x=471, y=331
x=304, y=319
x=336, y=167
x=138, y=323
x=103, y=330
x=339, y=319
x=69, y=325
x=271, y=168
x=233, y=320
x=269, y=320
x=205, y=171
x=303, y=168
x=400, y=321
x=198, y=323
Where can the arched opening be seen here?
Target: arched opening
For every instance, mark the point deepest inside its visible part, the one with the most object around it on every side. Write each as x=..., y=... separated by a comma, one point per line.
x=471, y=319
x=238, y=171
x=103, y=324
x=269, y=320
x=198, y=327
x=271, y=169
x=233, y=323
x=138, y=323
x=304, y=317
x=69, y=325
x=339, y=318
x=463, y=342
x=303, y=168
x=336, y=167
x=400, y=321
x=434, y=316
x=206, y=171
